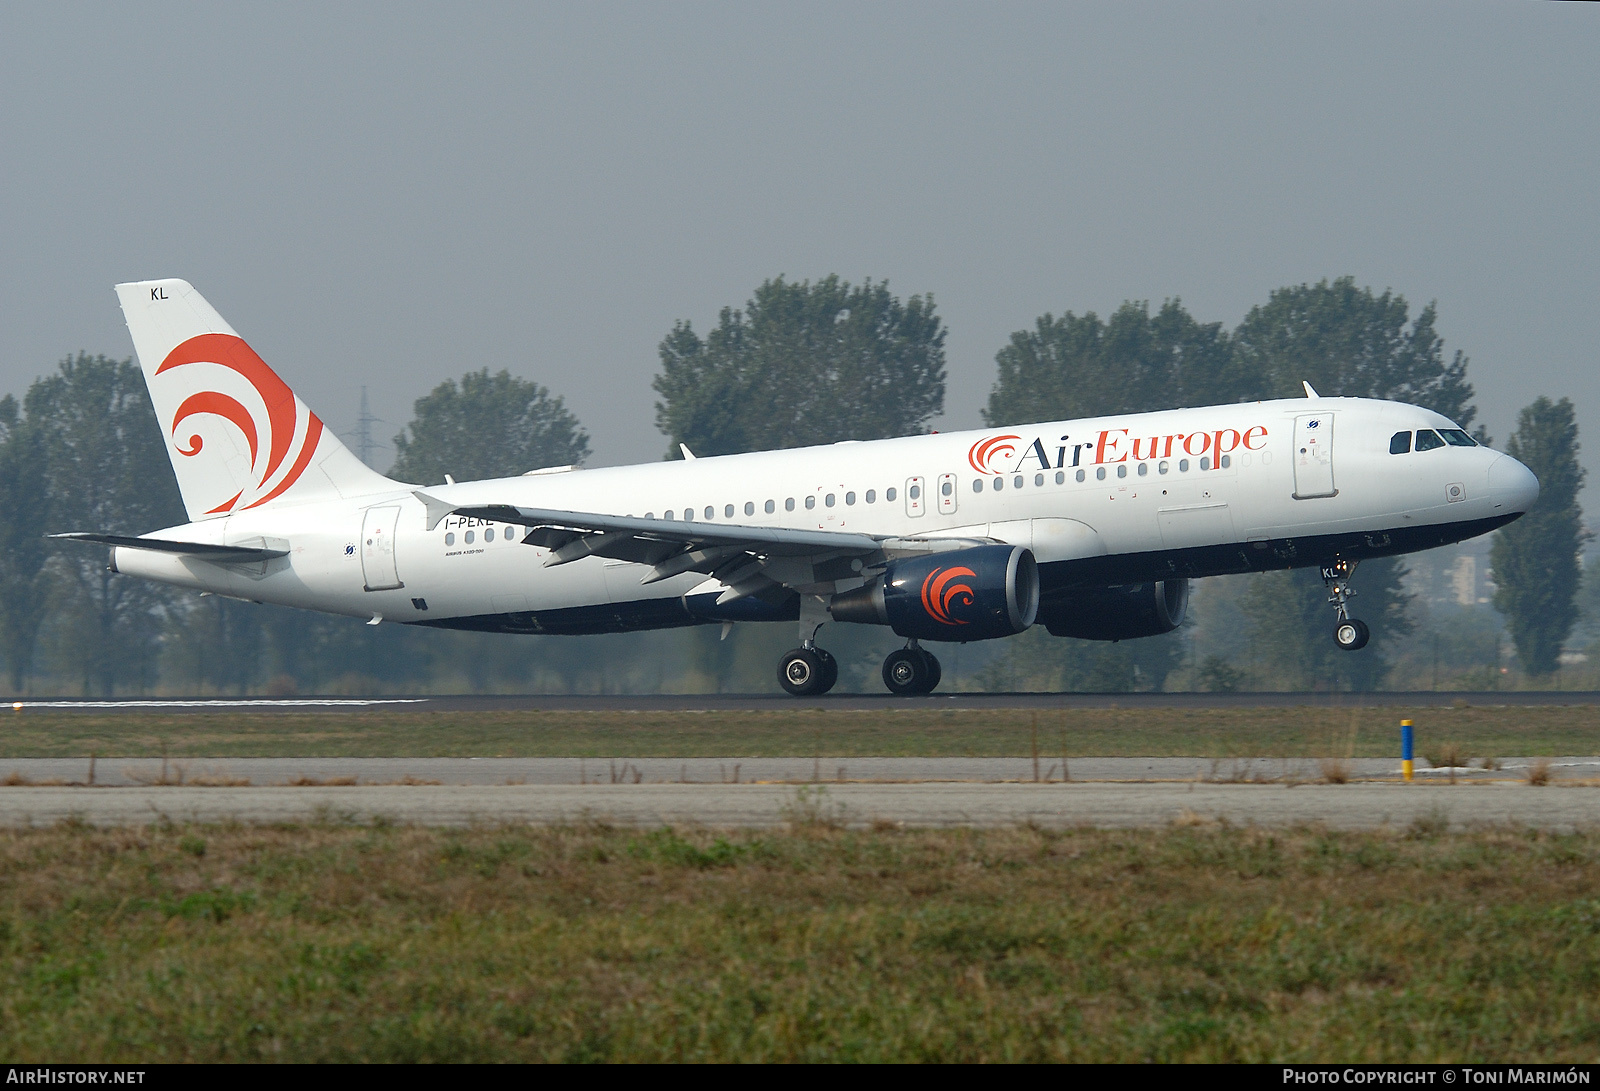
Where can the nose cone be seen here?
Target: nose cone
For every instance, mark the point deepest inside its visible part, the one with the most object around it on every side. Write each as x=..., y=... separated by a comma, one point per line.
x=1512, y=486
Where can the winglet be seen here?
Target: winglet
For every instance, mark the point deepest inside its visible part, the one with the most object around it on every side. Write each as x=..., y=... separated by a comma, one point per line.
x=687, y=454
x=1310, y=392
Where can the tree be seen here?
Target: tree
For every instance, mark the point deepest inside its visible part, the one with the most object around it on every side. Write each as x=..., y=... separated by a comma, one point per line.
x=106, y=469
x=487, y=426
x=24, y=551
x=1535, y=560
x=1075, y=366
x=1347, y=342
x=803, y=364
x=1290, y=625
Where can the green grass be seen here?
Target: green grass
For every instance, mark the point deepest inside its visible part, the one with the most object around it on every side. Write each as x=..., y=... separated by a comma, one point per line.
x=1212, y=733
x=347, y=943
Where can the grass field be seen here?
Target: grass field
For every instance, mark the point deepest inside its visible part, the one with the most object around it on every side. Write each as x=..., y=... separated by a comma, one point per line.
x=1211, y=733
x=404, y=944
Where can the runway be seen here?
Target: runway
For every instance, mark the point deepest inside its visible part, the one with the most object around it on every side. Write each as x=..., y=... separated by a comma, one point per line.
x=842, y=702
x=1101, y=804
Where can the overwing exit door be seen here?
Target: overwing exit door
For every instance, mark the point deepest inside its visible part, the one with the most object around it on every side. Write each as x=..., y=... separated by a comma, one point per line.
x=1313, y=456
x=377, y=549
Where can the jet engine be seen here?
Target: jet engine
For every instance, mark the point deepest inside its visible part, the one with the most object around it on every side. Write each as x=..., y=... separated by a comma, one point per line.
x=965, y=594
x=1117, y=613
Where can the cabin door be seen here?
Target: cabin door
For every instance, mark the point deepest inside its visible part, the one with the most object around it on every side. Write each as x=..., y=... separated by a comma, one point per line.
x=1313, y=456
x=377, y=549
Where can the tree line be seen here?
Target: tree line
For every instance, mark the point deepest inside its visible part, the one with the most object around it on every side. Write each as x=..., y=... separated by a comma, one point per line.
x=799, y=363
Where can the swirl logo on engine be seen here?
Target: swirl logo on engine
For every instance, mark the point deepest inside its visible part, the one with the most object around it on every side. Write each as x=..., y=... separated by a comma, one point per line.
x=985, y=451
x=279, y=426
x=940, y=593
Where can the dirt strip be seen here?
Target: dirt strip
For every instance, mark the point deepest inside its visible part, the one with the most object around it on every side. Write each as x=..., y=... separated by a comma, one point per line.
x=1435, y=805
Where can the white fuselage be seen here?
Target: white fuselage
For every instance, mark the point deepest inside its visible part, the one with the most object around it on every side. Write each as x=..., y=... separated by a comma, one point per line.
x=1187, y=492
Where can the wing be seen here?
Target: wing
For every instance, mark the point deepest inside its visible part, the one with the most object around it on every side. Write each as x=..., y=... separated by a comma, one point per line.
x=747, y=560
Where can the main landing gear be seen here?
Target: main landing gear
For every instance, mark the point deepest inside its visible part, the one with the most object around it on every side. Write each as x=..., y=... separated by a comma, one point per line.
x=911, y=670
x=808, y=672
x=1348, y=633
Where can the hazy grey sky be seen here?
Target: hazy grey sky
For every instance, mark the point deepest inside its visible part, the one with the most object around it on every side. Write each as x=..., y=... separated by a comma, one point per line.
x=389, y=195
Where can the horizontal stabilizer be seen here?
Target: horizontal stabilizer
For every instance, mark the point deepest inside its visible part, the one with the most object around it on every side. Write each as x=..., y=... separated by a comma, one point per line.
x=222, y=554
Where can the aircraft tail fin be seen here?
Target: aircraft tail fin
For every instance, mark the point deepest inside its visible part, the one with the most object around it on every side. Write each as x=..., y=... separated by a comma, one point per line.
x=237, y=436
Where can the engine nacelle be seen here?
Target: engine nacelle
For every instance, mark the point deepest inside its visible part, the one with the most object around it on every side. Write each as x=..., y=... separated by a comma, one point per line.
x=966, y=594
x=1118, y=613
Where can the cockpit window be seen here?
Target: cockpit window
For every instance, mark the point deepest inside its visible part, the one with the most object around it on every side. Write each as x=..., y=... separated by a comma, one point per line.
x=1400, y=443
x=1455, y=437
x=1428, y=439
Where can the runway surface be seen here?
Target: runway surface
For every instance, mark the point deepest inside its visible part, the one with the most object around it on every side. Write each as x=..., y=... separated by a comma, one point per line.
x=1107, y=805
x=844, y=702
x=266, y=772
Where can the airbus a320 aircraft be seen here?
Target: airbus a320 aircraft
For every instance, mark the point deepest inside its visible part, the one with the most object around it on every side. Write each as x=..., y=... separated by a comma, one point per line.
x=1092, y=528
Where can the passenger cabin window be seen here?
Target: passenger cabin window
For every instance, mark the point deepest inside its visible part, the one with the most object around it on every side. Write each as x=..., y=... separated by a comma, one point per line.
x=771, y=507
x=788, y=504
x=1455, y=437
x=1080, y=475
x=811, y=502
x=946, y=488
x=889, y=494
x=1016, y=482
x=849, y=498
x=488, y=535
x=1100, y=473
x=1038, y=480
x=1061, y=477
x=1428, y=440
x=450, y=538
x=469, y=537
x=750, y=508
x=872, y=496
x=711, y=512
x=727, y=511
x=1400, y=443
x=828, y=500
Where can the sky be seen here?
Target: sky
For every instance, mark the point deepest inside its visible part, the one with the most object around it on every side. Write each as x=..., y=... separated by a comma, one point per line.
x=391, y=195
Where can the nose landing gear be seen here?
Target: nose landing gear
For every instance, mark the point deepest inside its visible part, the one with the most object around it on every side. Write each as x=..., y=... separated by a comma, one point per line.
x=911, y=670
x=1348, y=633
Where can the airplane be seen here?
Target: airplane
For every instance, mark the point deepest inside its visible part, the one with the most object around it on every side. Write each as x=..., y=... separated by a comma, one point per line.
x=1092, y=528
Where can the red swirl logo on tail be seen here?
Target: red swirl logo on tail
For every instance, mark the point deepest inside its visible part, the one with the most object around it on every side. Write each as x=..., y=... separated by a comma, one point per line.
x=986, y=450
x=940, y=593
x=282, y=420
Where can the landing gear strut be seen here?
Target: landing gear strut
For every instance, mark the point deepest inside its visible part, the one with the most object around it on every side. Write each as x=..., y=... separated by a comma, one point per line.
x=911, y=670
x=1348, y=633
